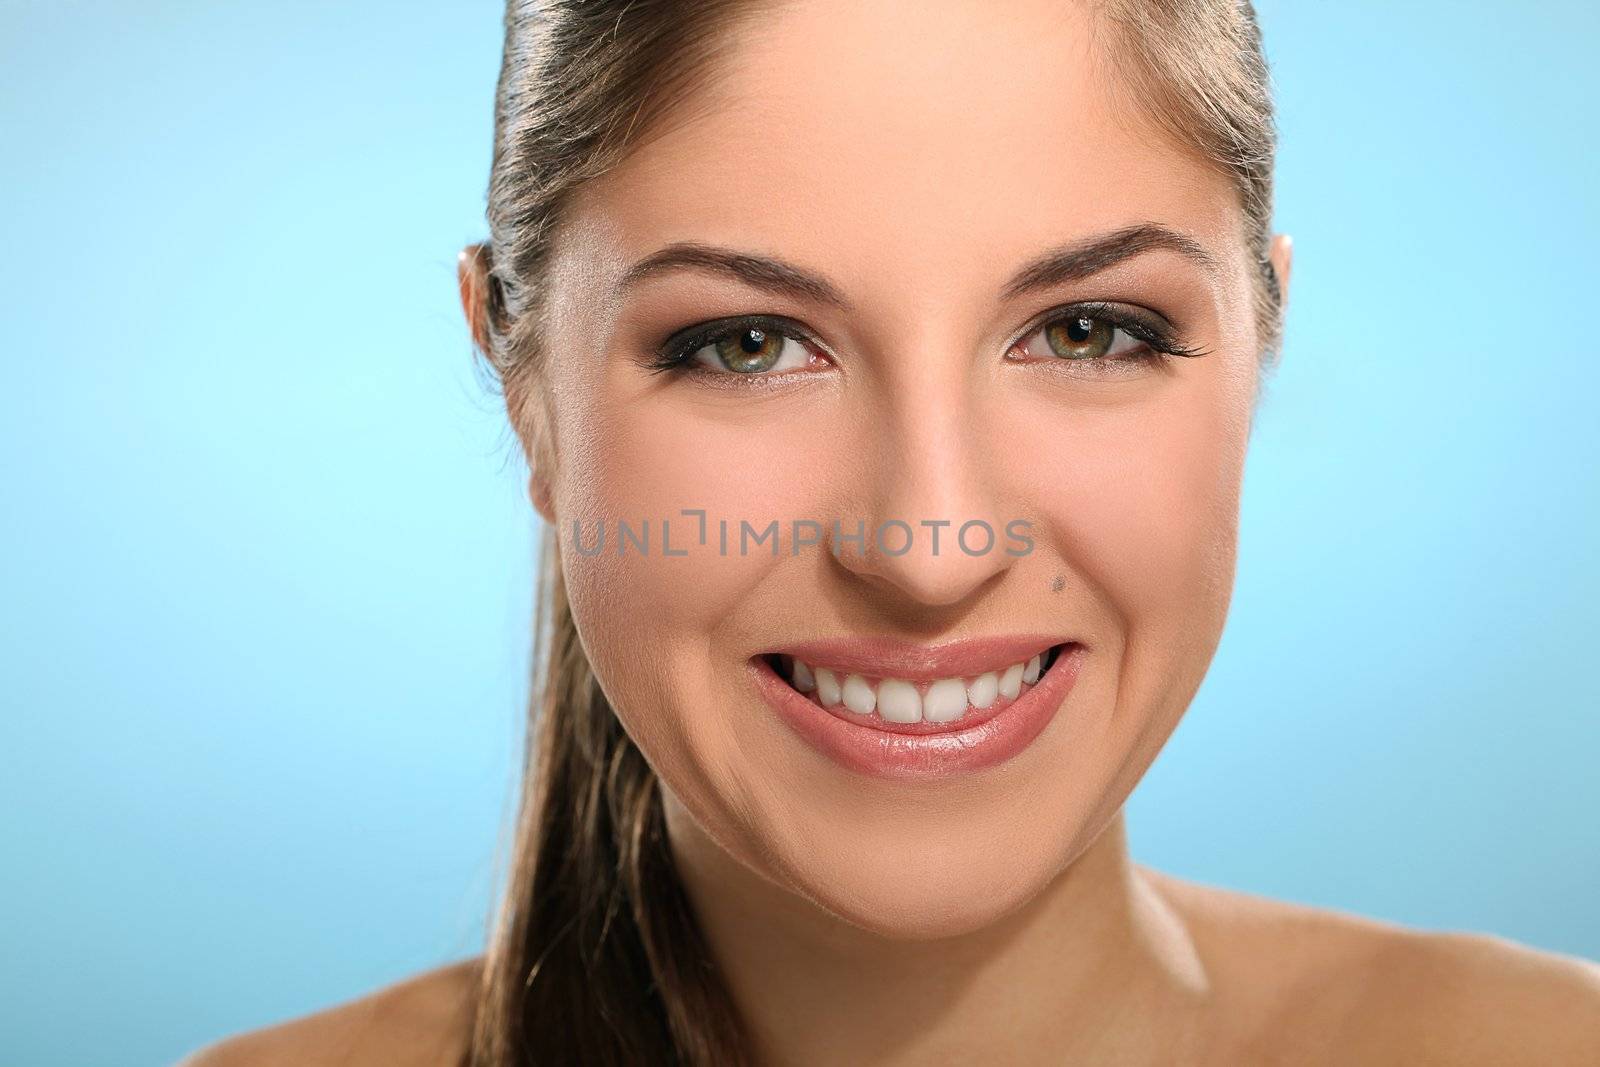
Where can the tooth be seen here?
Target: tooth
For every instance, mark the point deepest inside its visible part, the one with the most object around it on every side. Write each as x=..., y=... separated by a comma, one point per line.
x=983, y=690
x=827, y=687
x=858, y=695
x=899, y=701
x=946, y=700
x=1030, y=673
x=1011, y=681
x=803, y=680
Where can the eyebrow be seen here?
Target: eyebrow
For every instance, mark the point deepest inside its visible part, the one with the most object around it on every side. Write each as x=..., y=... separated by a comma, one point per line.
x=1081, y=259
x=1067, y=263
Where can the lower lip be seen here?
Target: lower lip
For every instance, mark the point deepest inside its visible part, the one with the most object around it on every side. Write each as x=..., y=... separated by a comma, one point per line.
x=924, y=756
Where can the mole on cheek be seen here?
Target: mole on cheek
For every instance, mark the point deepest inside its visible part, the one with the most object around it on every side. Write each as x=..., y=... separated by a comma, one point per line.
x=1059, y=584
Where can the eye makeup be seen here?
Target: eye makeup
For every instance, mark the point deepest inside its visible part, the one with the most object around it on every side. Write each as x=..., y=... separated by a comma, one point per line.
x=1083, y=333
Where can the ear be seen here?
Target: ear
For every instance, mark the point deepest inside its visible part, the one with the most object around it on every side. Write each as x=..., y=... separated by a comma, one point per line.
x=472, y=277
x=1282, y=256
x=530, y=420
x=539, y=493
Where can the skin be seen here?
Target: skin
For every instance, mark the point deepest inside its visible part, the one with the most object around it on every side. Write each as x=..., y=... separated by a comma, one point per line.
x=995, y=915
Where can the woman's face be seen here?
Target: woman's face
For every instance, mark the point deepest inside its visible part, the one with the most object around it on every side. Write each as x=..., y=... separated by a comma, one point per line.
x=913, y=169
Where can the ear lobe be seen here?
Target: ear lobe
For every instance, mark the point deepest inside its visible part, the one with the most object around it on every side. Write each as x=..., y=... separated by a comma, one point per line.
x=472, y=277
x=539, y=494
x=1282, y=256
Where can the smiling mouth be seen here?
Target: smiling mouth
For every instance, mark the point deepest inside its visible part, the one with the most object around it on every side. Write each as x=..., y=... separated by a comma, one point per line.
x=914, y=705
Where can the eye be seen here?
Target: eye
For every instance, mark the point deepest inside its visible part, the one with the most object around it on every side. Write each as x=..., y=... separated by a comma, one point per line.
x=1082, y=337
x=751, y=347
x=754, y=350
x=1098, y=338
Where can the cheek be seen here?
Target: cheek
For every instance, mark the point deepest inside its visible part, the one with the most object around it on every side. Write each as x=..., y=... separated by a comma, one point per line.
x=661, y=629
x=659, y=465
x=1143, y=504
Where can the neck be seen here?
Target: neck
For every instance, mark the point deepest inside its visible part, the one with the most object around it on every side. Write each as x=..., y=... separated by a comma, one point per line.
x=1096, y=966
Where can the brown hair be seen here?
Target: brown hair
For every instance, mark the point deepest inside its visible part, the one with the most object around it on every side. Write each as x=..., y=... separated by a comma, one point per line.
x=596, y=957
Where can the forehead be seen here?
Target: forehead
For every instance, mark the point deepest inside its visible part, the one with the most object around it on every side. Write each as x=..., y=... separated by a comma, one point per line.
x=936, y=145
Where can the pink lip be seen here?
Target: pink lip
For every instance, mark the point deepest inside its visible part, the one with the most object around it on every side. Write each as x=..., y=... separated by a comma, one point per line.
x=969, y=744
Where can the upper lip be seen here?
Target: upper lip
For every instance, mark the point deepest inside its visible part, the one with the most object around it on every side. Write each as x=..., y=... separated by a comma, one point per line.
x=897, y=658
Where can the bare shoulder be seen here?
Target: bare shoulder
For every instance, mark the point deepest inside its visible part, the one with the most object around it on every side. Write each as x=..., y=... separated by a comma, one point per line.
x=1472, y=998
x=1309, y=984
x=424, y=1019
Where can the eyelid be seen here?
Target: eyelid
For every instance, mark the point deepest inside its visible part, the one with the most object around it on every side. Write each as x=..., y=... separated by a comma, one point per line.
x=696, y=338
x=676, y=350
x=1143, y=324
x=1150, y=327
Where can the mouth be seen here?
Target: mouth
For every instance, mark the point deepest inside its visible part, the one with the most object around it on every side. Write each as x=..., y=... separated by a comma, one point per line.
x=890, y=709
x=916, y=705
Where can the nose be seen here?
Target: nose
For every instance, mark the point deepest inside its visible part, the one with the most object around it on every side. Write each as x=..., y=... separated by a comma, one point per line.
x=932, y=528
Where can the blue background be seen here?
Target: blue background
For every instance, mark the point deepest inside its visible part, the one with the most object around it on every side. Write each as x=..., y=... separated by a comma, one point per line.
x=265, y=563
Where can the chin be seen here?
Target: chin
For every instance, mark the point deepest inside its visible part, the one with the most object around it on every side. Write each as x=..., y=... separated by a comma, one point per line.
x=919, y=890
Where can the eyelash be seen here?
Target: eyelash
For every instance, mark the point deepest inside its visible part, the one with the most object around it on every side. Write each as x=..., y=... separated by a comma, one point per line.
x=678, y=351
x=1157, y=342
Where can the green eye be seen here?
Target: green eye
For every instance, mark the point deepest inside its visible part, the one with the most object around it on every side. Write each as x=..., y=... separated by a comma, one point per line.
x=753, y=347
x=1080, y=337
x=750, y=351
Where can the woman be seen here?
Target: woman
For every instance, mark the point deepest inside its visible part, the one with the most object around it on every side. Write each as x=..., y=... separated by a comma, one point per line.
x=835, y=278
